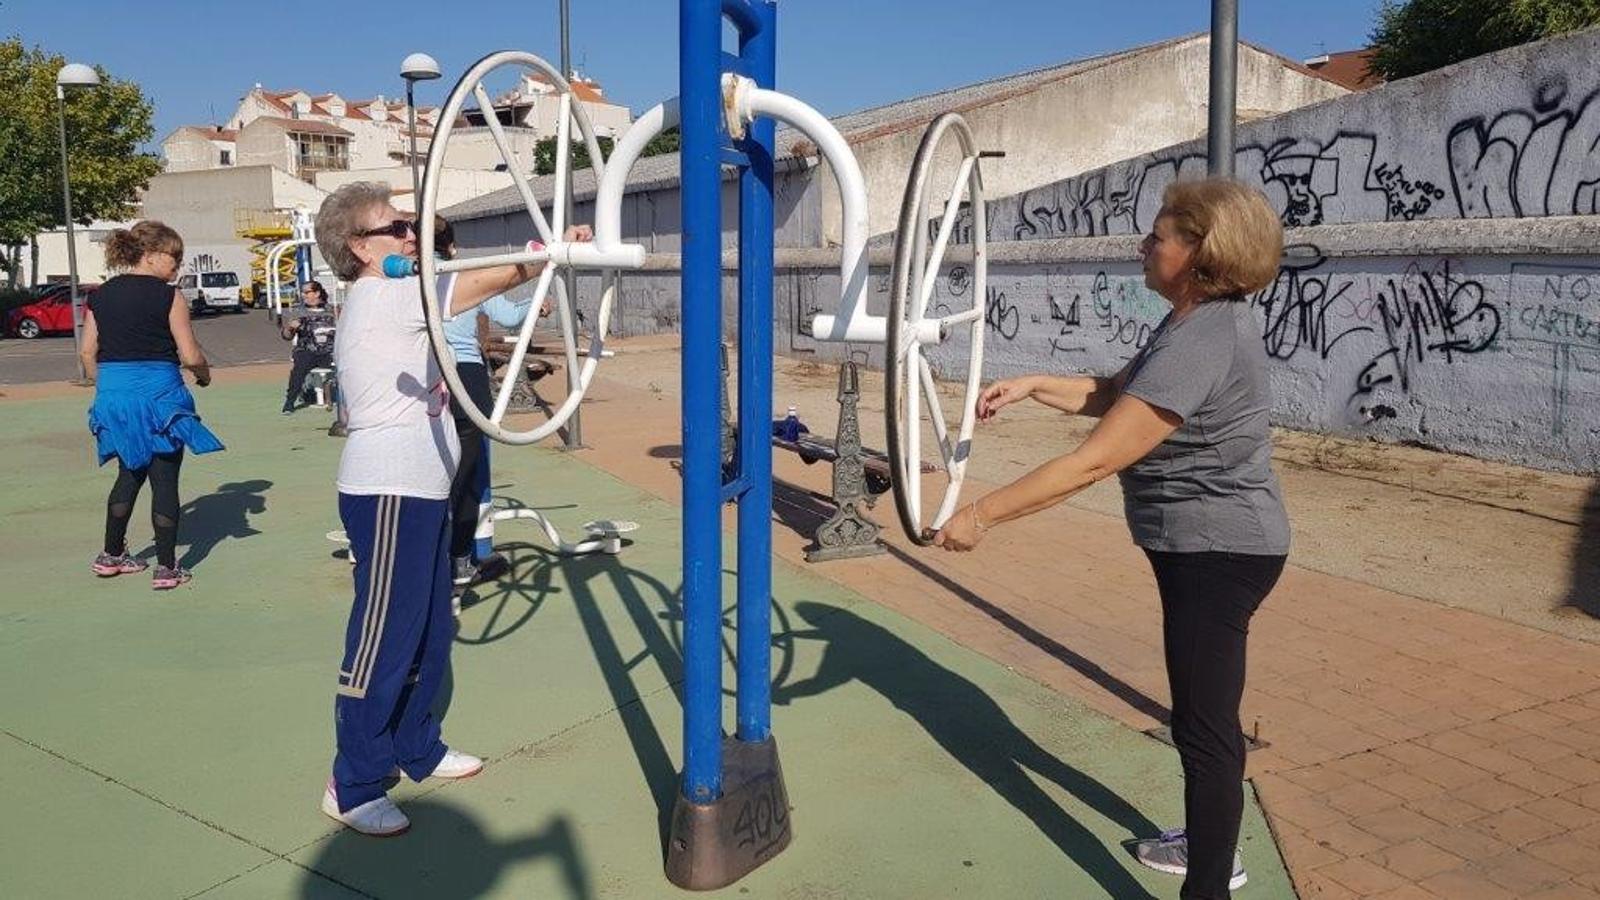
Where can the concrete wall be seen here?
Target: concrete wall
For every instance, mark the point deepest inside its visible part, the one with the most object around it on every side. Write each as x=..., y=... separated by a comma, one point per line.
x=201, y=205
x=1507, y=135
x=455, y=185
x=186, y=151
x=1477, y=338
x=1128, y=105
x=88, y=241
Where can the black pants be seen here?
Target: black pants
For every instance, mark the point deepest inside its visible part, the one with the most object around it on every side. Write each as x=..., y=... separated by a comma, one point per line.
x=304, y=362
x=163, y=476
x=1207, y=600
x=463, y=499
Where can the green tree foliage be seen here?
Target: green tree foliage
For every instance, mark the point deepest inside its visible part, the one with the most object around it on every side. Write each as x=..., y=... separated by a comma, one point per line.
x=544, y=160
x=1416, y=36
x=105, y=127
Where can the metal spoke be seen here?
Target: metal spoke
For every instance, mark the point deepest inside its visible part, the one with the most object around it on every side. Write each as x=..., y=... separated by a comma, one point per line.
x=930, y=391
x=947, y=223
x=514, y=368
x=486, y=106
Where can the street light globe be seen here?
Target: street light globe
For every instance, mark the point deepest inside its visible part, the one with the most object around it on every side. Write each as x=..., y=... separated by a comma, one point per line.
x=419, y=67
x=77, y=75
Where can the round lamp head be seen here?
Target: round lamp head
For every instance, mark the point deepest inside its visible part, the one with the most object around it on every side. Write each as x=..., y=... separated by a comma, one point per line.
x=77, y=75
x=419, y=67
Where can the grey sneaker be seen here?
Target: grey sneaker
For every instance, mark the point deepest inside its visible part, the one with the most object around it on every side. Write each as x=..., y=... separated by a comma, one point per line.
x=463, y=570
x=165, y=579
x=106, y=564
x=1170, y=853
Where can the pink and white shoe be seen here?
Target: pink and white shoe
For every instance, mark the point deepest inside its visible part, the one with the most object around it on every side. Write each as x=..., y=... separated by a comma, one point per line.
x=378, y=818
x=455, y=764
x=108, y=564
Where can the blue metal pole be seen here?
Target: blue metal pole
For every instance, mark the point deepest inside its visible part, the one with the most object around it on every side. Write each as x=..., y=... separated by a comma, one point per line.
x=483, y=535
x=700, y=100
x=758, y=50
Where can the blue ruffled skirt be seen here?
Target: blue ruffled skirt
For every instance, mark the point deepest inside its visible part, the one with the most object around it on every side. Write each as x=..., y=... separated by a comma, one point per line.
x=143, y=408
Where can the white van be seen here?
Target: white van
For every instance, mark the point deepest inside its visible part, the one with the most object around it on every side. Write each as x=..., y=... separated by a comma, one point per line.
x=211, y=291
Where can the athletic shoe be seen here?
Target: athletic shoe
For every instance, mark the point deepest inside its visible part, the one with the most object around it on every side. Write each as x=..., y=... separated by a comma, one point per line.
x=379, y=818
x=1170, y=853
x=166, y=579
x=106, y=565
x=464, y=570
x=455, y=764
x=287, y=411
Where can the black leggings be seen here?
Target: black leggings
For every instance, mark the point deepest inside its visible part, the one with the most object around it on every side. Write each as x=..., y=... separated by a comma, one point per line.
x=163, y=475
x=463, y=499
x=1207, y=600
x=304, y=362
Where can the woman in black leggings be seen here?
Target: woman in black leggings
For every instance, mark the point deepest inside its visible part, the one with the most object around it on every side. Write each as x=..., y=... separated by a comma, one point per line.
x=136, y=333
x=1184, y=425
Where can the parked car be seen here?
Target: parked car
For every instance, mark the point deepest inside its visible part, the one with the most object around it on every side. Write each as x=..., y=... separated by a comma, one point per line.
x=50, y=313
x=211, y=292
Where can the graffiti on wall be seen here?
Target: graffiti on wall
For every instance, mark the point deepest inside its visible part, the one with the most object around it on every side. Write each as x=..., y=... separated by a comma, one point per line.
x=1543, y=160
x=1539, y=160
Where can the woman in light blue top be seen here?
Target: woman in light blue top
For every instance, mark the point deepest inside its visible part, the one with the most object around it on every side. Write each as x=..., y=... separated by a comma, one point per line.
x=462, y=333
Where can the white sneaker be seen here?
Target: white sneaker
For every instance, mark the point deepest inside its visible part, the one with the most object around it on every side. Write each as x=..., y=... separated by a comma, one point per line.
x=455, y=764
x=1170, y=853
x=379, y=818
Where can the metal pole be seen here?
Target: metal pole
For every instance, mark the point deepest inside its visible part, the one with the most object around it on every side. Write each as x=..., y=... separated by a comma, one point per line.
x=699, y=68
x=72, y=246
x=573, y=438
x=1224, y=84
x=758, y=49
x=416, y=180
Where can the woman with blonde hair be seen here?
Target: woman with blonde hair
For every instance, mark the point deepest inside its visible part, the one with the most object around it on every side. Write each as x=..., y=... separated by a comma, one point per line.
x=1184, y=425
x=136, y=334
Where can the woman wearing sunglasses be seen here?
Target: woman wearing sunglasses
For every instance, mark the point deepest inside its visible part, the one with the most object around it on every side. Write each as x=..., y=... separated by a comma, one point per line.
x=394, y=489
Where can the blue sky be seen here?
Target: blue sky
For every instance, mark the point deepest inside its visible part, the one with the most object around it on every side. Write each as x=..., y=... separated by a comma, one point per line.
x=193, y=58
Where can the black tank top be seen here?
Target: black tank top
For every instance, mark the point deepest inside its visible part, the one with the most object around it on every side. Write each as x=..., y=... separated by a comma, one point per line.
x=130, y=314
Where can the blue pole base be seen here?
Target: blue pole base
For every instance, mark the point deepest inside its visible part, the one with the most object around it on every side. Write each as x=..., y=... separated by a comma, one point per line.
x=715, y=844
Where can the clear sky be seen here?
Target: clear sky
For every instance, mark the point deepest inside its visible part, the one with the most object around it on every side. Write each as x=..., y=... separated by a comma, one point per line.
x=196, y=58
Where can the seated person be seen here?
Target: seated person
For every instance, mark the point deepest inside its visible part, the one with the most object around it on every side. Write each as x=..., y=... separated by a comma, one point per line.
x=312, y=330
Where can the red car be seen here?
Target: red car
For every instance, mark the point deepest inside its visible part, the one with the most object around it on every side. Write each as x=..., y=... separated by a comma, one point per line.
x=50, y=314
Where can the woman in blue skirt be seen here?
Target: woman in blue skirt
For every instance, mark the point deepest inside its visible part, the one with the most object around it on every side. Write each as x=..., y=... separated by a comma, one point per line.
x=136, y=334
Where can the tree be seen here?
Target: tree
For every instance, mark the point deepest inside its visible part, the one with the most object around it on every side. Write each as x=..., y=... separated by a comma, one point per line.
x=1416, y=36
x=105, y=127
x=544, y=157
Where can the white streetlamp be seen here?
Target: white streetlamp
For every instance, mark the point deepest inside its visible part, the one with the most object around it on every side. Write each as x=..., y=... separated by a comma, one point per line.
x=414, y=68
x=72, y=75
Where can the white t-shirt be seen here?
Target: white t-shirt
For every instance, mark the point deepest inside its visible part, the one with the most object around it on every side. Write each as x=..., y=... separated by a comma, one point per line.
x=402, y=438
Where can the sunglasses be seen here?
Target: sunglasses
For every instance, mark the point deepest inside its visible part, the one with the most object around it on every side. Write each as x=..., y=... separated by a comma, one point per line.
x=398, y=229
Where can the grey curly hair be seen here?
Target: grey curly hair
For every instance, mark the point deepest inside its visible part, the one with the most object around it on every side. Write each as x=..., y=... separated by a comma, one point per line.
x=339, y=222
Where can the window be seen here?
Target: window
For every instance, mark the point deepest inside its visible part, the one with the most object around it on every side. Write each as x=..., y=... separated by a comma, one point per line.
x=219, y=279
x=227, y=157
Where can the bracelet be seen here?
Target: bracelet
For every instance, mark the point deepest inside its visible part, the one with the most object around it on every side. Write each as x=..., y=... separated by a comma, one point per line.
x=977, y=522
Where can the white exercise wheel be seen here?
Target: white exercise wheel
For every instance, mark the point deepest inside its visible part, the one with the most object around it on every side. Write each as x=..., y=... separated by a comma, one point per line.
x=911, y=396
x=557, y=255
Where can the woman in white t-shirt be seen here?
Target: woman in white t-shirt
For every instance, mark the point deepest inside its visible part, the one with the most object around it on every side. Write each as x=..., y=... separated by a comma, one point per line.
x=394, y=488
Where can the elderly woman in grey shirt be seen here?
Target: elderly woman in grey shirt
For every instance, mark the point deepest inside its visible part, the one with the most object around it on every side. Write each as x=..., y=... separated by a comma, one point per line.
x=1184, y=426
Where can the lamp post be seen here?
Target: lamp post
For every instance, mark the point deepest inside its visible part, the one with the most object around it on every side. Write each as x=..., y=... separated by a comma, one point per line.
x=414, y=68
x=1224, y=86
x=72, y=75
x=573, y=438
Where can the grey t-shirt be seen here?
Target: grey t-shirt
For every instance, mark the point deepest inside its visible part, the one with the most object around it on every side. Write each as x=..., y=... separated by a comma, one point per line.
x=1210, y=484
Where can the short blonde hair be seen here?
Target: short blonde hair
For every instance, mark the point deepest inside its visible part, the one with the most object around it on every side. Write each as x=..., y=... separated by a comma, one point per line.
x=339, y=222
x=1237, y=236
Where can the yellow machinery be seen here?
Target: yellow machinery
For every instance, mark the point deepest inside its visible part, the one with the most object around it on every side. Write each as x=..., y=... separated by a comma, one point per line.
x=266, y=228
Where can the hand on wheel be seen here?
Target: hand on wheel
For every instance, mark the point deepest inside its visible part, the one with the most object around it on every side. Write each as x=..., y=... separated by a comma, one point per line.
x=1001, y=394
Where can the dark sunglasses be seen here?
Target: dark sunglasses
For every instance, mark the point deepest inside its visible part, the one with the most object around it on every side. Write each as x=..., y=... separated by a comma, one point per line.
x=396, y=229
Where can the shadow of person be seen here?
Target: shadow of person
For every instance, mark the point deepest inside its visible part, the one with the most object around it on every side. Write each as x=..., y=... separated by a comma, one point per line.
x=1583, y=586
x=210, y=519
x=970, y=726
x=445, y=854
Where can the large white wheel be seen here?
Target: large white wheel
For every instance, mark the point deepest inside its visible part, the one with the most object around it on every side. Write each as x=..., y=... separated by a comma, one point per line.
x=550, y=229
x=911, y=396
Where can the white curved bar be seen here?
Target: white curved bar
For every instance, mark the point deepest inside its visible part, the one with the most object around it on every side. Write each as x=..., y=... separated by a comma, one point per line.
x=614, y=181
x=852, y=323
x=274, y=260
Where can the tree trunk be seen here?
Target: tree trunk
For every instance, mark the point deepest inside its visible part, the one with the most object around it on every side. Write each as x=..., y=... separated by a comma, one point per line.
x=33, y=252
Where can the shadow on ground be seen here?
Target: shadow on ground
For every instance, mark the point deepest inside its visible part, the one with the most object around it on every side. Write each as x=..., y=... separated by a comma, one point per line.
x=445, y=854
